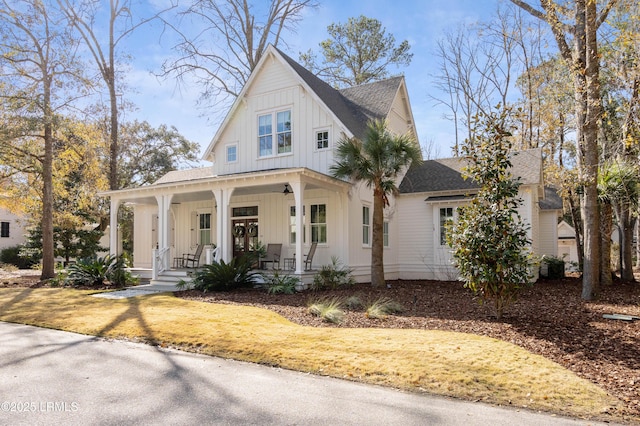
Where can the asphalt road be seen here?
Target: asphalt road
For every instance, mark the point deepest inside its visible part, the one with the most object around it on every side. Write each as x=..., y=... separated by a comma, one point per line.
x=52, y=377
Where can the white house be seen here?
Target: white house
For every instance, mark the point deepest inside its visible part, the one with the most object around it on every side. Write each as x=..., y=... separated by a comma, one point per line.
x=270, y=182
x=12, y=232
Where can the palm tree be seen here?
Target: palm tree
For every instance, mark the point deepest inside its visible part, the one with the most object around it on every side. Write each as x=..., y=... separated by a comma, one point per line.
x=376, y=161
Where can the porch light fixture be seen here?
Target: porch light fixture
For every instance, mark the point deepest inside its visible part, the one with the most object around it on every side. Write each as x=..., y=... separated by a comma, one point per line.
x=286, y=191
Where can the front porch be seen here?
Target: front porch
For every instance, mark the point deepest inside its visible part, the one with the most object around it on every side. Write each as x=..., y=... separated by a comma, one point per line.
x=236, y=214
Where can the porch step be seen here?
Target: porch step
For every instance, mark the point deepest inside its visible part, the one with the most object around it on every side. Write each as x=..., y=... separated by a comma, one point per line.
x=172, y=277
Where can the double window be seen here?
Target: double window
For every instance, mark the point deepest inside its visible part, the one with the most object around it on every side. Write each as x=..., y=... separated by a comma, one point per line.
x=281, y=133
x=318, y=224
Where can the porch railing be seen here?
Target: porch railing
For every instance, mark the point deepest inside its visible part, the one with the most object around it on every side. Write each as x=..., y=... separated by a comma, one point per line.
x=160, y=261
x=211, y=254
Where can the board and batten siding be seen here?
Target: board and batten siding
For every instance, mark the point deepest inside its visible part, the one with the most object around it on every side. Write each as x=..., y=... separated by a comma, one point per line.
x=276, y=89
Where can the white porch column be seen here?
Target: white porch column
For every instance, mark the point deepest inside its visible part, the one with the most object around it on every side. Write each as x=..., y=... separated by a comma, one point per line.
x=298, y=194
x=223, y=198
x=113, y=227
x=164, y=224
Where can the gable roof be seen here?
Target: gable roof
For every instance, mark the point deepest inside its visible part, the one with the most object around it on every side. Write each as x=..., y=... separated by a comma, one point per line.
x=446, y=174
x=353, y=107
x=185, y=175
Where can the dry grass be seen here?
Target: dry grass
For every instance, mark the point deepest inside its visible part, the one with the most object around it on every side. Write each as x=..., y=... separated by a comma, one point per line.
x=446, y=363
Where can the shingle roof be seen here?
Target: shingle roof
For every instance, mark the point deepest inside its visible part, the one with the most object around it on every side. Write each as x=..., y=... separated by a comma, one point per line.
x=185, y=175
x=354, y=106
x=446, y=174
x=551, y=201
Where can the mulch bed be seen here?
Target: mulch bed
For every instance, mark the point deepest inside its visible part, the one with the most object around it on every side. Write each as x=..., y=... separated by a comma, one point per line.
x=549, y=319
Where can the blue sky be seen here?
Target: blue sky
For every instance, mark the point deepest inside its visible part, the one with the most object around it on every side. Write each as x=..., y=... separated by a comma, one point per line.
x=421, y=22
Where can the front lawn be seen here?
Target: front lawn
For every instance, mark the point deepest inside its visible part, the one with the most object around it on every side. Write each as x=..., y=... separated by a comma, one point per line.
x=448, y=363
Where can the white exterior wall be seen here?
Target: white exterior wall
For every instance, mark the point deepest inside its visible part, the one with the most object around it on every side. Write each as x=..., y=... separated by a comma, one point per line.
x=548, y=233
x=17, y=233
x=275, y=89
x=143, y=231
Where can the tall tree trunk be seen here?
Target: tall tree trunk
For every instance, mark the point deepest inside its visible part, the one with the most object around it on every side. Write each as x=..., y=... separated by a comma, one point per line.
x=589, y=110
x=48, y=260
x=377, y=243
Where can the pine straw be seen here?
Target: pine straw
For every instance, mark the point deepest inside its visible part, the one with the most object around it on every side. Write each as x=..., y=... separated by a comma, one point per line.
x=448, y=363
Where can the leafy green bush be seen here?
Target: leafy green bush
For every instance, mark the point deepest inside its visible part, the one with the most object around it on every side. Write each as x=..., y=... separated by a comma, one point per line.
x=333, y=276
x=281, y=284
x=221, y=276
x=15, y=256
x=382, y=307
x=96, y=272
x=329, y=309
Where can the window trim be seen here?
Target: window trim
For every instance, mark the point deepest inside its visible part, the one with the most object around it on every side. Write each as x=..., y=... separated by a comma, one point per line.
x=293, y=227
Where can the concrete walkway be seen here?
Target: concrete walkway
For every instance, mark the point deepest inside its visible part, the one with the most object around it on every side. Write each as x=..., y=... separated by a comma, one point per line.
x=58, y=378
x=137, y=291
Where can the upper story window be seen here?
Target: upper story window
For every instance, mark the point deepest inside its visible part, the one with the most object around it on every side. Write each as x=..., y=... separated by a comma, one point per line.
x=232, y=153
x=4, y=229
x=322, y=139
x=282, y=134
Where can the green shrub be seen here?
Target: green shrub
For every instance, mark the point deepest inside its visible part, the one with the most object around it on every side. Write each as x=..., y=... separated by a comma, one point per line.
x=281, y=284
x=15, y=256
x=221, y=276
x=330, y=310
x=333, y=276
x=382, y=307
x=96, y=272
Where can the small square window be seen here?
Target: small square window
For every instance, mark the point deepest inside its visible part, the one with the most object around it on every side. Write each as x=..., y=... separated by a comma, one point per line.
x=232, y=153
x=322, y=139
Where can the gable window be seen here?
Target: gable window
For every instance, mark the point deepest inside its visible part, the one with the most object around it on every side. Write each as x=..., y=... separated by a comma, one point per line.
x=204, y=228
x=322, y=139
x=282, y=133
x=446, y=216
x=292, y=225
x=4, y=229
x=385, y=233
x=265, y=140
x=318, y=223
x=365, y=225
x=232, y=153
